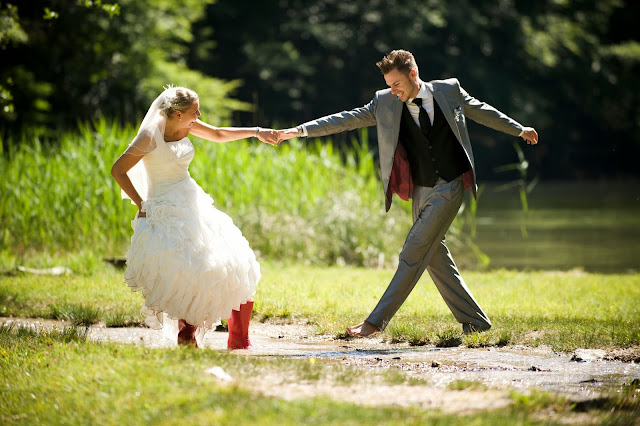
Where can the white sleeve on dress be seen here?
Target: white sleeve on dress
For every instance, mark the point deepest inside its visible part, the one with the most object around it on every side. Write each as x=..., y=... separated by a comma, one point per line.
x=142, y=144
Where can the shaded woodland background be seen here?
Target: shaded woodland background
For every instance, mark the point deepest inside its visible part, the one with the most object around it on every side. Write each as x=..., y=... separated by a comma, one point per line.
x=568, y=68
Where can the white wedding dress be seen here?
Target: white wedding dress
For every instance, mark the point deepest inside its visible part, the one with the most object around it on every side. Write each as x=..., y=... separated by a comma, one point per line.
x=186, y=257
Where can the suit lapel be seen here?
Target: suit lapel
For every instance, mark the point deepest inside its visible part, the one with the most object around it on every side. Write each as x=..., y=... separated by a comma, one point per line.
x=397, y=116
x=439, y=97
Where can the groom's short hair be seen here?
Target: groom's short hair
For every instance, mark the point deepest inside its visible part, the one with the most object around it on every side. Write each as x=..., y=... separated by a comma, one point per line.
x=401, y=60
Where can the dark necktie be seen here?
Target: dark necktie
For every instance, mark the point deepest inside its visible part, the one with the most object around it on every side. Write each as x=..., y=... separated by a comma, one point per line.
x=423, y=117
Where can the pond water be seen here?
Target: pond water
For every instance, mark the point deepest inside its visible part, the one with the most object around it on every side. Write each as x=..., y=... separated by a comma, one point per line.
x=593, y=226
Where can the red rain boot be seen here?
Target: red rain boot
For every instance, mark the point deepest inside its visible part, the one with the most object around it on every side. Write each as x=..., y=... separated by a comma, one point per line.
x=239, y=327
x=186, y=333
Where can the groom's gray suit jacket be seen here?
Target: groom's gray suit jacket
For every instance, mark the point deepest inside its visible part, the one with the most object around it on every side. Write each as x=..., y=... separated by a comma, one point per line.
x=385, y=111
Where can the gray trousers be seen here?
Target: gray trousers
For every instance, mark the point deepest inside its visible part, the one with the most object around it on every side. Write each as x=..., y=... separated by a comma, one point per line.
x=433, y=212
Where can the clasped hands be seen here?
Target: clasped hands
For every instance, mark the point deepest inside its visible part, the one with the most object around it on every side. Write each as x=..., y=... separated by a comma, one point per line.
x=274, y=137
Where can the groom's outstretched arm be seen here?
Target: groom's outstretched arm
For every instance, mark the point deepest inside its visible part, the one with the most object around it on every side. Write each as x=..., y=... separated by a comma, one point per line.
x=334, y=123
x=489, y=116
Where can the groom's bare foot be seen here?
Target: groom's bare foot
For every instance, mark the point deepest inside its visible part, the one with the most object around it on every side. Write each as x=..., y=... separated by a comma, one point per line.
x=363, y=329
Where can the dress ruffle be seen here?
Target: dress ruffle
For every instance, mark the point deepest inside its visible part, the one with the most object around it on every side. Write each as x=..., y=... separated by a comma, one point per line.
x=189, y=260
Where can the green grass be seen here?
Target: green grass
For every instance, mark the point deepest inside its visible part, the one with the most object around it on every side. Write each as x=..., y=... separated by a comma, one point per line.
x=620, y=408
x=563, y=310
x=59, y=377
x=77, y=314
x=466, y=384
x=109, y=384
x=54, y=379
x=560, y=309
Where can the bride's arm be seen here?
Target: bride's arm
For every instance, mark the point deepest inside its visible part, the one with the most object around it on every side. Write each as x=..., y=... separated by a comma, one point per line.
x=142, y=144
x=228, y=134
x=119, y=173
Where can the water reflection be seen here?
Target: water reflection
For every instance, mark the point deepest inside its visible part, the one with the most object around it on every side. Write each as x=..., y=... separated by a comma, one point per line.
x=569, y=225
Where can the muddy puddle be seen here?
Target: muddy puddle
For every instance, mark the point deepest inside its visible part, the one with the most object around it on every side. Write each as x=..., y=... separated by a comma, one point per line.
x=582, y=375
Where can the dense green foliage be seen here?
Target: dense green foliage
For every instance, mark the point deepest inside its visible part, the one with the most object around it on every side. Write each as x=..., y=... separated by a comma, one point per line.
x=567, y=67
x=64, y=61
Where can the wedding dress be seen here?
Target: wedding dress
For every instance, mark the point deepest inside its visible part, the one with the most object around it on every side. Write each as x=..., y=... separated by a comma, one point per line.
x=187, y=258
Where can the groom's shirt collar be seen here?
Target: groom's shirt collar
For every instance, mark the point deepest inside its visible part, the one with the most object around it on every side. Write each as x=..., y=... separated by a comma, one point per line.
x=423, y=93
x=427, y=103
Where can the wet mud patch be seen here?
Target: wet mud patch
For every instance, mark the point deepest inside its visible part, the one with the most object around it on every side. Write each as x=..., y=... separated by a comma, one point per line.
x=631, y=354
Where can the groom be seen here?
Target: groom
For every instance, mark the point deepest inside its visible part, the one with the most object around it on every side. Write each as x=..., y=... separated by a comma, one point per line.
x=425, y=154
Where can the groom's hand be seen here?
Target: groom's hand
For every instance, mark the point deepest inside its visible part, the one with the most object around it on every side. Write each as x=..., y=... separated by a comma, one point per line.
x=286, y=134
x=530, y=135
x=269, y=136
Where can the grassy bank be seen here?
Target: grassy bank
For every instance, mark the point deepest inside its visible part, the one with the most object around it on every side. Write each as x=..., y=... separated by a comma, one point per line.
x=565, y=310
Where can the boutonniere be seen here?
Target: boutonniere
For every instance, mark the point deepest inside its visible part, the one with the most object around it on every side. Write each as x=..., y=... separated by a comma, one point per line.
x=457, y=113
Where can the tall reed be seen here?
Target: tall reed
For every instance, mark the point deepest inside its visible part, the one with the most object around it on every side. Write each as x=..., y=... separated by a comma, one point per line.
x=57, y=191
x=522, y=166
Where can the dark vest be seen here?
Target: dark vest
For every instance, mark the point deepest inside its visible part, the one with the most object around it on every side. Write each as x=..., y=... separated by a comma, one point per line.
x=434, y=152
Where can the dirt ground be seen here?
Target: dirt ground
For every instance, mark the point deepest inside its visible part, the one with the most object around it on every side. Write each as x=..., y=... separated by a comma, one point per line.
x=490, y=373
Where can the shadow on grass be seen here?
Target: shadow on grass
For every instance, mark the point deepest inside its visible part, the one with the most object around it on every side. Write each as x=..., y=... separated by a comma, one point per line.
x=619, y=407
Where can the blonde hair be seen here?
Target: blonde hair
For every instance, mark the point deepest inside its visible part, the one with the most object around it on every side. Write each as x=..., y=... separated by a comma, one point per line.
x=401, y=60
x=177, y=99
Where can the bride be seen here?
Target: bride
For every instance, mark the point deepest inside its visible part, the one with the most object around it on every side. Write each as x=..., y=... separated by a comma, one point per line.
x=191, y=263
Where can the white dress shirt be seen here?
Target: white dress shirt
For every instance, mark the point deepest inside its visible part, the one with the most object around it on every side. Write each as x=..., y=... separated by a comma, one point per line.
x=427, y=103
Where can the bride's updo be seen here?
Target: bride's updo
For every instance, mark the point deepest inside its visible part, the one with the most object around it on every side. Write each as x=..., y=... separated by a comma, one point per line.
x=177, y=99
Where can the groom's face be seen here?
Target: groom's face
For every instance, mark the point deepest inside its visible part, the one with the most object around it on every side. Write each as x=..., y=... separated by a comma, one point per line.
x=404, y=86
